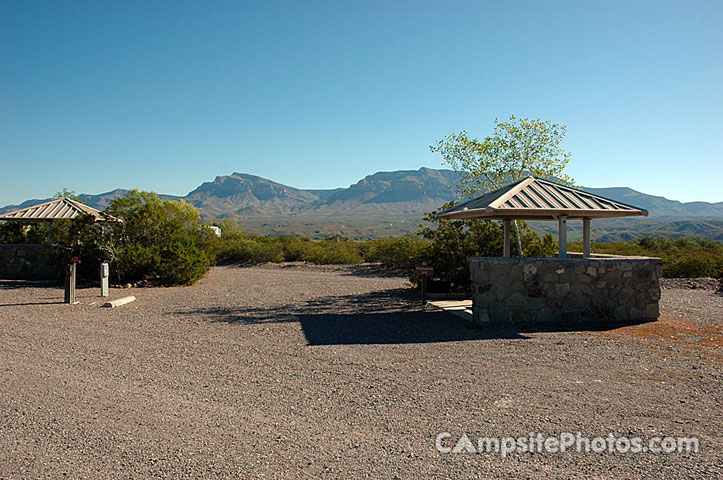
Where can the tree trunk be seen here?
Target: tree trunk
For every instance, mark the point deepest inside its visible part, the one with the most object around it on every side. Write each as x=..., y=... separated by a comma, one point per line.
x=517, y=236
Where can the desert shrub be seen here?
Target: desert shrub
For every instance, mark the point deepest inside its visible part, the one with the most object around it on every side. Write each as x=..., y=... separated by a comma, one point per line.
x=682, y=257
x=452, y=242
x=403, y=253
x=12, y=232
x=161, y=241
x=336, y=250
x=85, y=239
x=693, y=266
x=16, y=232
x=236, y=247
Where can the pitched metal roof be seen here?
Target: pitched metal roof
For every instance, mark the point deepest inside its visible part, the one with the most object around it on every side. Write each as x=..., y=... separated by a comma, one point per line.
x=534, y=198
x=61, y=208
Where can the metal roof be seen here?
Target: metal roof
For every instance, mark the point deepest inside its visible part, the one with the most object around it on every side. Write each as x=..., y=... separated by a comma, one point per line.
x=534, y=198
x=61, y=208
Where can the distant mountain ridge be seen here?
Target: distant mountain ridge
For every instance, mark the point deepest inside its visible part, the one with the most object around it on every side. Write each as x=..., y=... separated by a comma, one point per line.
x=398, y=199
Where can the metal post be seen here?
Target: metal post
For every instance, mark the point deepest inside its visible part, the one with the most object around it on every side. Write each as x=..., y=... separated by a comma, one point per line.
x=104, y=273
x=70, y=283
x=49, y=239
x=586, y=237
x=562, y=235
x=506, y=244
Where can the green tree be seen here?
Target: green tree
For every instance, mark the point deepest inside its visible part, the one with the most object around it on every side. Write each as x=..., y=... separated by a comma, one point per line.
x=68, y=193
x=160, y=241
x=516, y=148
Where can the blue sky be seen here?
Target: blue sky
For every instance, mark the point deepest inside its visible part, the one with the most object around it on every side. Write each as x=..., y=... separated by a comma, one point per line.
x=163, y=96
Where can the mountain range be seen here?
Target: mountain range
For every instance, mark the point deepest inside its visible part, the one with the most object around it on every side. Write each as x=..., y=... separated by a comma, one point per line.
x=392, y=203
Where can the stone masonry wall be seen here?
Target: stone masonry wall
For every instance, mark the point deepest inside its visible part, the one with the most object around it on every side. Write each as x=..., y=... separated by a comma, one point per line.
x=554, y=290
x=27, y=262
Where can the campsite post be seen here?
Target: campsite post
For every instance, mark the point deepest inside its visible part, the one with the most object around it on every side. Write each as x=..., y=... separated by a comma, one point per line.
x=424, y=271
x=104, y=273
x=70, y=283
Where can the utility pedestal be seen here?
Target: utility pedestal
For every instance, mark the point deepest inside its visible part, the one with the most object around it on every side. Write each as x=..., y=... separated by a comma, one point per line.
x=70, y=283
x=104, y=273
x=424, y=271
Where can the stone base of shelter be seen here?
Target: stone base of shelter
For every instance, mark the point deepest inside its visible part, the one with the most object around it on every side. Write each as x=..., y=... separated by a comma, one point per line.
x=28, y=262
x=564, y=290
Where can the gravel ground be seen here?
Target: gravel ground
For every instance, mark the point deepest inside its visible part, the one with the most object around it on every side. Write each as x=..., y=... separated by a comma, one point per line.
x=336, y=372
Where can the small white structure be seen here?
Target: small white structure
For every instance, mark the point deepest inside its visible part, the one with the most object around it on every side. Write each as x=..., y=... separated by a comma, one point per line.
x=104, y=274
x=216, y=230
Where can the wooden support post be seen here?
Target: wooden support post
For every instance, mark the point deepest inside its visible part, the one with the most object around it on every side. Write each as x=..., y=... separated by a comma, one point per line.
x=586, y=237
x=562, y=235
x=506, y=244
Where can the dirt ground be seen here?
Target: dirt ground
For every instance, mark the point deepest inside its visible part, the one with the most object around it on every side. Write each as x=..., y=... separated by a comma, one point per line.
x=339, y=372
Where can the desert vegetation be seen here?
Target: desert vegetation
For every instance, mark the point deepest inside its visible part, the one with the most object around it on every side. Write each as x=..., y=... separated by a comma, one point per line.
x=682, y=257
x=165, y=243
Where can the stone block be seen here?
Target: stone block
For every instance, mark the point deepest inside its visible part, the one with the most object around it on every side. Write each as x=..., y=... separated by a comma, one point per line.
x=620, y=313
x=652, y=310
x=578, y=302
x=528, y=271
x=561, y=289
x=516, y=300
x=520, y=316
x=534, y=304
x=518, y=286
x=545, y=315
x=481, y=317
x=549, y=278
x=482, y=300
x=592, y=271
x=480, y=276
x=534, y=289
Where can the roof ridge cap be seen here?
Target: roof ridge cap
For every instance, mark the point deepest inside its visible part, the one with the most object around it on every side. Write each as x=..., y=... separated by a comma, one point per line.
x=511, y=192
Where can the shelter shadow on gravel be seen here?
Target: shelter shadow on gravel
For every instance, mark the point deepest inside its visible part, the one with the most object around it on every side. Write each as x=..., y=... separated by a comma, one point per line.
x=386, y=317
x=16, y=284
x=383, y=317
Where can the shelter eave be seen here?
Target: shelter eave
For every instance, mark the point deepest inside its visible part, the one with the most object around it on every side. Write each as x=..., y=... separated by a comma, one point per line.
x=538, y=214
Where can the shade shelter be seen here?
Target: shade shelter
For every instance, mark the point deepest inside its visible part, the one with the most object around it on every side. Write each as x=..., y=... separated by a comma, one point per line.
x=534, y=198
x=59, y=209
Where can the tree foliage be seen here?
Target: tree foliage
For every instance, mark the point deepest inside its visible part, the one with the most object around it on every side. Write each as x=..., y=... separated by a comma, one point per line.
x=517, y=148
x=161, y=241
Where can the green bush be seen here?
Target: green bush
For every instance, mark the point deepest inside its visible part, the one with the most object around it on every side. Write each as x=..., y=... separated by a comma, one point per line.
x=16, y=232
x=403, y=253
x=452, y=242
x=682, y=257
x=161, y=241
x=235, y=247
